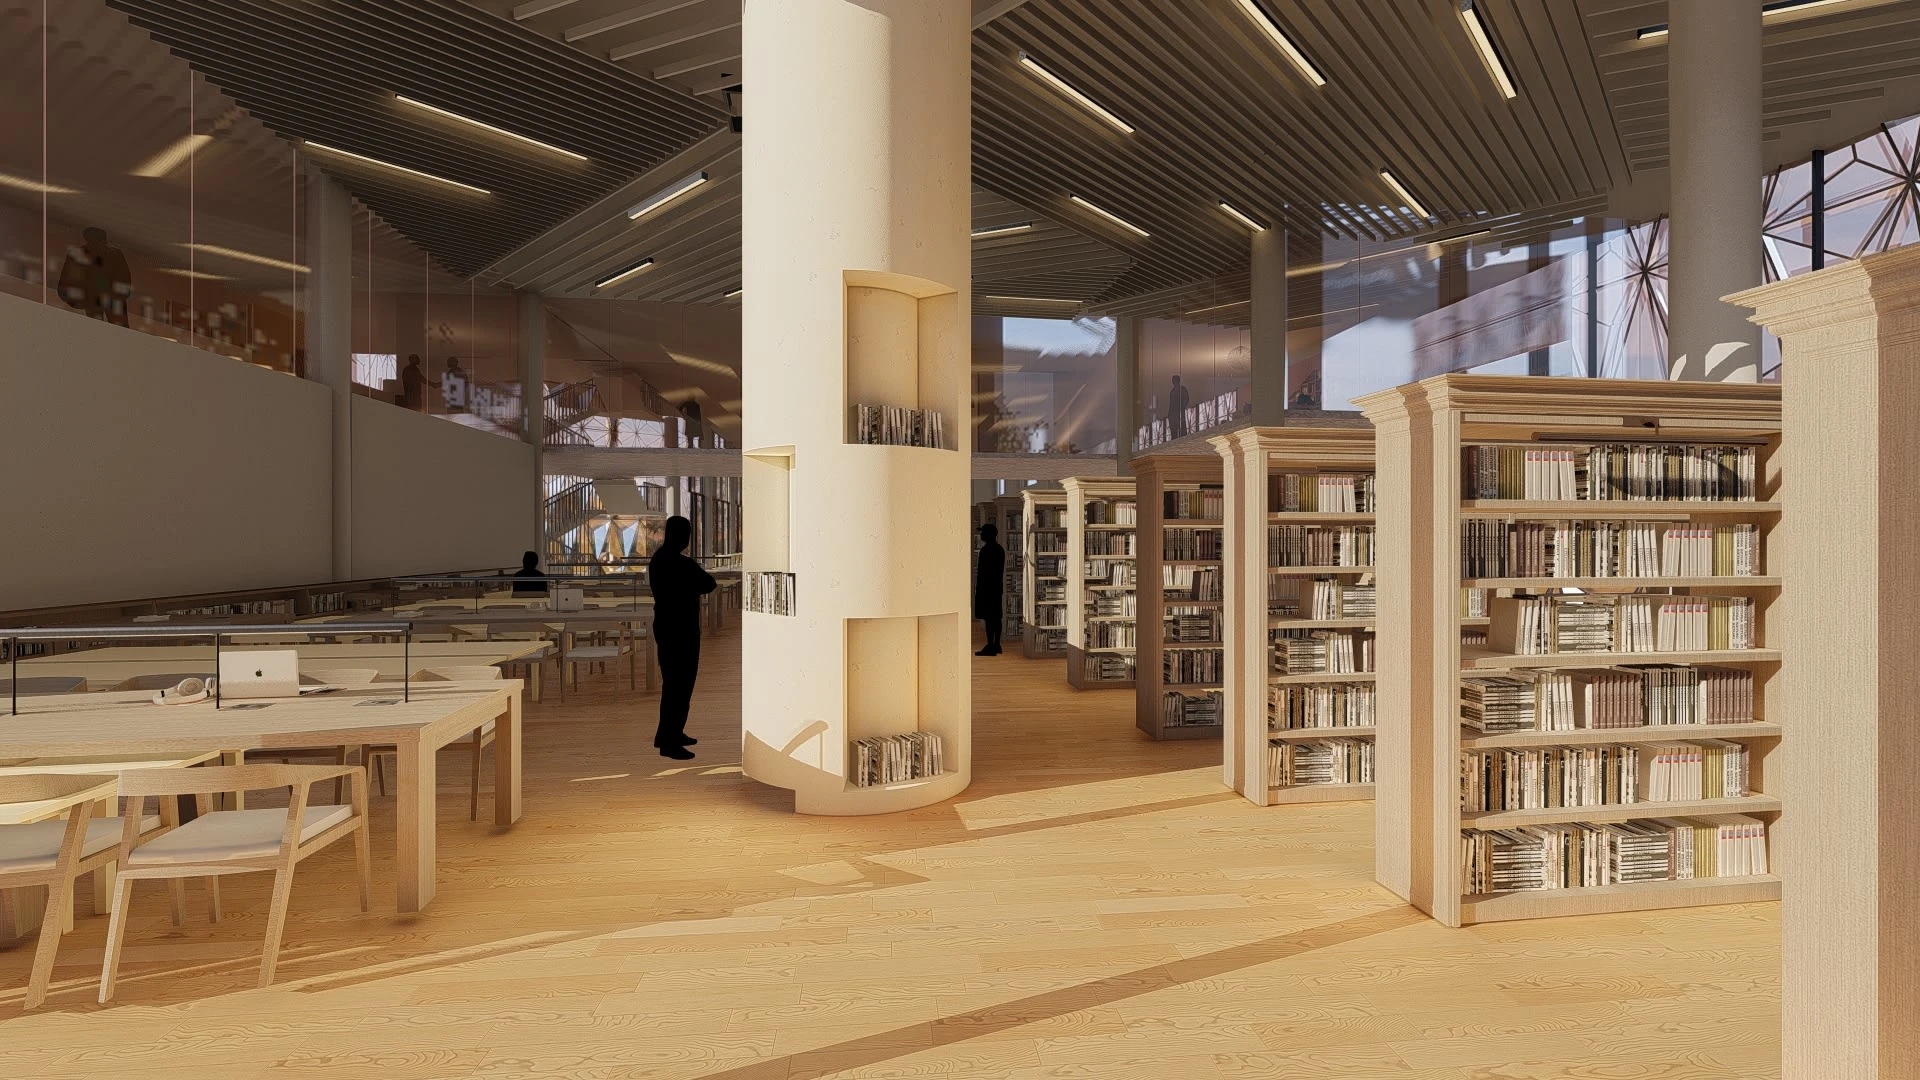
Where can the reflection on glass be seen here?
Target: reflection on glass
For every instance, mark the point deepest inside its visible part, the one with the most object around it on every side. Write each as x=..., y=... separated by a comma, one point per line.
x=1043, y=386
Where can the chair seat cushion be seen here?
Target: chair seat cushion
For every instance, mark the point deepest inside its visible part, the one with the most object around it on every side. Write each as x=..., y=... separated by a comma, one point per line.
x=234, y=834
x=35, y=847
x=596, y=652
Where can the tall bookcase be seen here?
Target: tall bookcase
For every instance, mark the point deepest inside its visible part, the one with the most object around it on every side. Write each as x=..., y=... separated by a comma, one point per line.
x=1043, y=587
x=1101, y=592
x=1007, y=517
x=861, y=655
x=1273, y=479
x=1550, y=449
x=1181, y=647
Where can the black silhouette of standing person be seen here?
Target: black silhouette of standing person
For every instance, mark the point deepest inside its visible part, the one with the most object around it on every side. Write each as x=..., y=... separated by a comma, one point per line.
x=988, y=580
x=677, y=583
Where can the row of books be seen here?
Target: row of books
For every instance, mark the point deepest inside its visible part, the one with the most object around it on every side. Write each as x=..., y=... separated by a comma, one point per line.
x=1319, y=761
x=1192, y=627
x=1050, y=544
x=1107, y=667
x=1111, y=635
x=1320, y=545
x=1049, y=517
x=1322, y=652
x=1623, y=853
x=894, y=425
x=1050, y=639
x=1544, y=625
x=1111, y=512
x=1112, y=605
x=1109, y=543
x=1549, y=777
x=1294, y=706
x=1320, y=493
x=1188, y=667
x=1495, y=548
x=1050, y=618
x=1109, y=572
x=1611, y=471
x=1335, y=599
x=1050, y=564
x=769, y=592
x=1187, y=544
x=1192, y=583
x=1473, y=603
x=1627, y=696
x=893, y=759
x=1190, y=710
x=1049, y=590
x=1206, y=504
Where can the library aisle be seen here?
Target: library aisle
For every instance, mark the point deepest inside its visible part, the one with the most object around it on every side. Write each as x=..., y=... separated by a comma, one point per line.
x=1115, y=914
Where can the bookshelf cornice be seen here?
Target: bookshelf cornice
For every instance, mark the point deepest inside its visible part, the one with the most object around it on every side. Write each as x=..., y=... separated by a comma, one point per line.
x=1859, y=291
x=1629, y=403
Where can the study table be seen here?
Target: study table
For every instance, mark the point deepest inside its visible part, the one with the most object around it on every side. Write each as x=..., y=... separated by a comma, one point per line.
x=635, y=619
x=113, y=664
x=128, y=723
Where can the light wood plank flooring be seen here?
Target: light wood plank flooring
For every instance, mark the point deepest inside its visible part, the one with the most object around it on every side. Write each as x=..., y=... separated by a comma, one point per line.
x=1096, y=906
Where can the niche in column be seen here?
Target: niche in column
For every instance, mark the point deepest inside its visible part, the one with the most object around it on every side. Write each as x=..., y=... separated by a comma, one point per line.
x=766, y=527
x=903, y=699
x=904, y=375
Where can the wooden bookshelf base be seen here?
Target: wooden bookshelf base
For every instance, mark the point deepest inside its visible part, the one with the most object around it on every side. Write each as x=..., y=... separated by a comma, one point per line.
x=1556, y=903
x=1313, y=793
x=1032, y=647
x=1077, y=673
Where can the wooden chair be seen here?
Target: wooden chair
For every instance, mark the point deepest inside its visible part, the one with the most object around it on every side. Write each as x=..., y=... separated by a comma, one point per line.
x=477, y=742
x=55, y=852
x=236, y=842
x=573, y=656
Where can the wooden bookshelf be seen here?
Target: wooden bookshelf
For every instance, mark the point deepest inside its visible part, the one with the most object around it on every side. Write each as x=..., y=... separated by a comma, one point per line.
x=1093, y=631
x=1043, y=573
x=1007, y=516
x=1185, y=481
x=1425, y=434
x=1262, y=601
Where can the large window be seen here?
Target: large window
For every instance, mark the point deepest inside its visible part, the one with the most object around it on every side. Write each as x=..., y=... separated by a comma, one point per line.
x=1043, y=386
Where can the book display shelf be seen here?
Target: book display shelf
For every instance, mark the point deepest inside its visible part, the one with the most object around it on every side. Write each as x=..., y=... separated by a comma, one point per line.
x=1299, y=697
x=1608, y=748
x=858, y=696
x=1178, y=678
x=1043, y=586
x=1007, y=517
x=1102, y=611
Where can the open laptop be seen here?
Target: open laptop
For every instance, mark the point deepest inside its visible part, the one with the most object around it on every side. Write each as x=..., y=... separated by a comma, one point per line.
x=260, y=673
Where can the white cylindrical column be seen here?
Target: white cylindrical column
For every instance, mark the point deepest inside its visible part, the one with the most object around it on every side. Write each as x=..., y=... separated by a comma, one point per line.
x=329, y=341
x=856, y=264
x=1269, y=314
x=1713, y=105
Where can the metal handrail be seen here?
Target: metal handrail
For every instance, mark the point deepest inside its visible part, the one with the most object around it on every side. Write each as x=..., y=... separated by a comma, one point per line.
x=160, y=630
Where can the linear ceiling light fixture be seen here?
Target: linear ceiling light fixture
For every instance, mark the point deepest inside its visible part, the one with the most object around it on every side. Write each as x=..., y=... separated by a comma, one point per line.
x=734, y=294
x=1079, y=98
x=324, y=148
x=1242, y=218
x=197, y=275
x=1002, y=230
x=246, y=256
x=1110, y=216
x=1483, y=44
x=1406, y=197
x=37, y=187
x=172, y=157
x=1265, y=23
x=438, y=111
x=1767, y=10
x=1033, y=300
x=1220, y=307
x=622, y=275
x=641, y=210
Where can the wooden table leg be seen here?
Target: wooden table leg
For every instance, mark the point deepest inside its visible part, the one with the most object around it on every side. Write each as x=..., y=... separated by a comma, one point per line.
x=506, y=763
x=414, y=828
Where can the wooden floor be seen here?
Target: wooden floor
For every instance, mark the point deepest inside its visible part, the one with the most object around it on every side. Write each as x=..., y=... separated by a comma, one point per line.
x=1095, y=906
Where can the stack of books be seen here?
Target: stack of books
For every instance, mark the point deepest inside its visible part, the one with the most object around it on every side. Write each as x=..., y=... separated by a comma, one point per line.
x=893, y=425
x=893, y=759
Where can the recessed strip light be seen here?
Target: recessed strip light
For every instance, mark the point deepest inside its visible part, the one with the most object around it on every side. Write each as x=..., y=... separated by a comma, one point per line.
x=197, y=275
x=1033, y=300
x=622, y=275
x=1242, y=218
x=246, y=256
x=438, y=111
x=1771, y=8
x=35, y=186
x=324, y=148
x=641, y=210
x=1083, y=100
x=1002, y=230
x=1109, y=215
x=1406, y=197
x=1483, y=44
x=1265, y=23
x=1220, y=307
x=172, y=157
x=733, y=294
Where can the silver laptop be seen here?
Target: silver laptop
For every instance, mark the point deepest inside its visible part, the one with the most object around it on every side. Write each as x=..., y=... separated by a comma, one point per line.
x=260, y=673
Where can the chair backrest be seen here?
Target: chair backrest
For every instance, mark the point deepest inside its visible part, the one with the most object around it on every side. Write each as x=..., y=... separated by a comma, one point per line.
x=214, y=779
x=161, y=682
x=475, y=673
x=37, y=787
x=45, y=684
